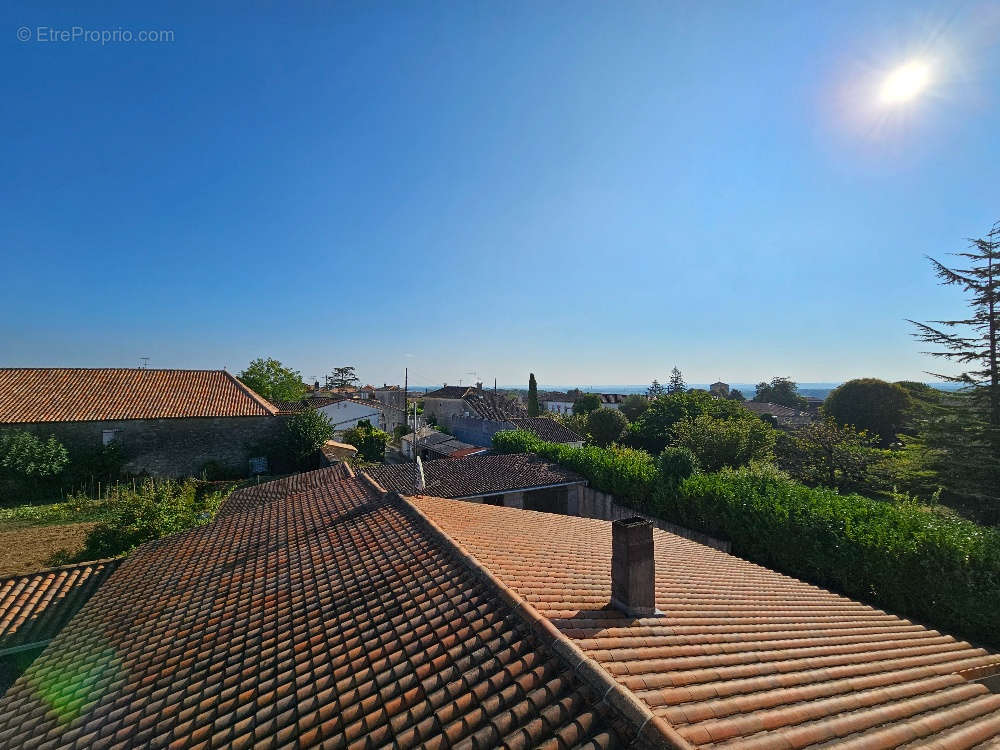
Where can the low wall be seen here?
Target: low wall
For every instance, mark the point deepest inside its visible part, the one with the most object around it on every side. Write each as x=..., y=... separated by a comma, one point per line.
x=591, y=503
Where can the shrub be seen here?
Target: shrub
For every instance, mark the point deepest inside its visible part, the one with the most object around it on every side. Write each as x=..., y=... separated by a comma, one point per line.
x=939, y=569
x=154, y=509
x=606, y=426
x=676, y=464
x=370, y=441
x=718, y=443
x=24, y=454
x=627, y=473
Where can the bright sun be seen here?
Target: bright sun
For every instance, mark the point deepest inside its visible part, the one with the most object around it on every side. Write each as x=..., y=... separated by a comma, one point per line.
x=905, y=82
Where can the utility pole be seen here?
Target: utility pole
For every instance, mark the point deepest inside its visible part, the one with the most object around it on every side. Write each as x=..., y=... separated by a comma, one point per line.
x=406, y=384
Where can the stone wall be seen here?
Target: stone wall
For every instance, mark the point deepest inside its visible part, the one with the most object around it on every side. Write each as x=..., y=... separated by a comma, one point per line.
x=476, y=430
x=444, y=409
x=172, y=447
x=591, y=503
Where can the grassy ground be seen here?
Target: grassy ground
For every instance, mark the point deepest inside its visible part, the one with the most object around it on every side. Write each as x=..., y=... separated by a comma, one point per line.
x=24, y=549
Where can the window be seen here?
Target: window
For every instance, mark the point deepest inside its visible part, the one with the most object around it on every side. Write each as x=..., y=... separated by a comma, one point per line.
x=109, y=436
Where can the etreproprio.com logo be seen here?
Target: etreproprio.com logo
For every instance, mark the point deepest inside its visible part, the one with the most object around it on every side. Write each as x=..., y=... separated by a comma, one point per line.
x=83, y=35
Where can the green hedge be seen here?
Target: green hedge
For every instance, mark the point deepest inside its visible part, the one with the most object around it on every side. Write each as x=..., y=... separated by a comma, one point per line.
x=627, y=473
x=940, y=570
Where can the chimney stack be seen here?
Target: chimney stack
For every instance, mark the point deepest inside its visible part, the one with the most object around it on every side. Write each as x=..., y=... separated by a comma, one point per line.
x=633, y=572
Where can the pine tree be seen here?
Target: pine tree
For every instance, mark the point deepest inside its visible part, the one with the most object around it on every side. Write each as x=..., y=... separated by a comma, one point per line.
x=532, y=396
x=676, y=384
x=655, y=389
x=969, y=435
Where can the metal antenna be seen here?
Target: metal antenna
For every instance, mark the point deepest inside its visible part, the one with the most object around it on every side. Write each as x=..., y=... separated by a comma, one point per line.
x=143, y=363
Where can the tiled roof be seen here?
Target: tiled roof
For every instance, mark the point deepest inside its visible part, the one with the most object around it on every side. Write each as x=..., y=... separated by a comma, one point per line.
x=492, y=406
x=783, y=414
x=471, y=476
x=336, y=617
x=449, y=391
x=743, y=657
x=303, y=404
x=81, y=395
x=34, y=607
x=250, y=497
x=547, y=429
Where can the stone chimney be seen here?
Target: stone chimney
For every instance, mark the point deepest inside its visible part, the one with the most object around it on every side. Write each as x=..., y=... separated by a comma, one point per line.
x=633, y=571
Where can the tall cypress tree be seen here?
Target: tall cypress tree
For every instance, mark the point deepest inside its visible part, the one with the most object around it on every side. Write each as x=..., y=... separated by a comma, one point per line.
x=968, y=435
x=532, y=396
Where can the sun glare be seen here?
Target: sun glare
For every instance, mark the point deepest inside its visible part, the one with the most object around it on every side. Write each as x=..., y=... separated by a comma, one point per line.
x=905, y=82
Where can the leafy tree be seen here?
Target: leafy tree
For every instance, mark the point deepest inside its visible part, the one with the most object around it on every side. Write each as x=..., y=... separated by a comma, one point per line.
x=576, y=422
x=737, y=395
x=586, y=403
x=272, y=380
x=676, y=384
x=829, y=454
x=532, y=396
x=305, y=433
x=370, y=441
x=969, y=433
x=342, y=377
x=606, y=426
x=869, y=404
x=653, y=430
x=655, y=389
x=633, y=406
x=718, y=443
x=25, y=455
x=780, y=391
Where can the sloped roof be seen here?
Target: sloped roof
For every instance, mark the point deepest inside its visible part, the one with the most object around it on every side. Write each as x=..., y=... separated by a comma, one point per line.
x=547, y=429
x=489, y=405
x=61, y=394
x=471, y=476
x=334, y=617
x=783, y=414
x=35, y=607
x=743, y=657
x=253, y=495
x=304, y=404
x=449, y=391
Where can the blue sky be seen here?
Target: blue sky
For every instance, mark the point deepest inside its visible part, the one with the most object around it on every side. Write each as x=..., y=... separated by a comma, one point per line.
x=591, y=191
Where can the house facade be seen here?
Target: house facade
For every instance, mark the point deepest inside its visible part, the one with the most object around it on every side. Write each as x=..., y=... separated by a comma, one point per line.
x=168, y=423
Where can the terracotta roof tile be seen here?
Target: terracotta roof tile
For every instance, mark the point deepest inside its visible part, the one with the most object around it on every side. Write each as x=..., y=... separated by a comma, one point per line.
x=79, y=395
x=743, y=657
x=34, y=607
x=333, y=616
x=475, y=475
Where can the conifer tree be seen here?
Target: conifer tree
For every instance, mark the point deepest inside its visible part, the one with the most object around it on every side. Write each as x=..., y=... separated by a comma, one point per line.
x=968, y=436
x=655, y=389
x=532, y=396
x=676, y=384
